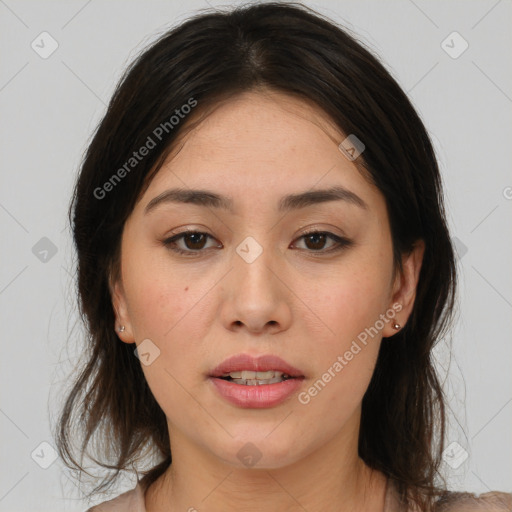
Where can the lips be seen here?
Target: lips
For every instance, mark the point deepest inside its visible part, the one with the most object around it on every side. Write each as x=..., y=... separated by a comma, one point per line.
x=255, y=394
x=263, y=363
x=256, y=397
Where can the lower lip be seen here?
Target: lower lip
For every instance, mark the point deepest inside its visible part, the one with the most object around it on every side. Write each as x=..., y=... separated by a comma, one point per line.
x=259, y=396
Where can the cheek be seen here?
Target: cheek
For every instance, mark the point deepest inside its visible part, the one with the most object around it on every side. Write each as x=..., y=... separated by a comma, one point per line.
x=350, y=304
x=166, y=309
x=351, y=300
x=157, y=297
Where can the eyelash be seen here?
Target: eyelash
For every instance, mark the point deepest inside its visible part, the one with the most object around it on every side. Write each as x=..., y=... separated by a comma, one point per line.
x=342, y=242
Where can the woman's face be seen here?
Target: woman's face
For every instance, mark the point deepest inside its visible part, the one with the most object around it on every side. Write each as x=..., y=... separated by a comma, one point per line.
x=250, y=283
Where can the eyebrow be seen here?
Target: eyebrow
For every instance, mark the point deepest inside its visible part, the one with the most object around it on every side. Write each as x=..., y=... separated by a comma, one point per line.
x=211, y=199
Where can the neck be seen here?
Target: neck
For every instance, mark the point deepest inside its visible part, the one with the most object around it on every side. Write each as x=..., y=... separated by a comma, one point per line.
x=331, y=478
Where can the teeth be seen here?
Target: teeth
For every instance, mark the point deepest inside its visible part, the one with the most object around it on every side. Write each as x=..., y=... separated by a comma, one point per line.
x=251, y=378
x=257, y=382
x=250, y=375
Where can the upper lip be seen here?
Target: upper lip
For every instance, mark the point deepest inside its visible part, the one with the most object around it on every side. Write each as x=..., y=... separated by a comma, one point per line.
x=262, y=363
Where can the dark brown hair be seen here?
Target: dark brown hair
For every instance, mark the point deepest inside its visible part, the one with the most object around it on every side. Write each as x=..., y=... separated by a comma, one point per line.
x=215, y=55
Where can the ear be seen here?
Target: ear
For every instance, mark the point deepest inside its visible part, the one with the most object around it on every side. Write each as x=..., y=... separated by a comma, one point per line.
x=121, y=310
x=404, y=288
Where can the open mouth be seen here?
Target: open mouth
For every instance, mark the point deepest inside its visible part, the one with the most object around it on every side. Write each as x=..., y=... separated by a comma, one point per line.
x=252, y=378
x=256, y=383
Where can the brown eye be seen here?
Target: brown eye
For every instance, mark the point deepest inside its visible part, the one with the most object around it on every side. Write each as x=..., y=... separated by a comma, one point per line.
x=188, y=242
x=195, y=241
x=316, y=241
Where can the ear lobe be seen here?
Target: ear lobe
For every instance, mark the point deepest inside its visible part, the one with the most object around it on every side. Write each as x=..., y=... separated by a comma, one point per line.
x=404, y=289
x=121, y=311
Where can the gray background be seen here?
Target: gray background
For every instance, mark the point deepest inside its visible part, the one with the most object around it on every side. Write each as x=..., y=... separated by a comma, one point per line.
x=49, y=108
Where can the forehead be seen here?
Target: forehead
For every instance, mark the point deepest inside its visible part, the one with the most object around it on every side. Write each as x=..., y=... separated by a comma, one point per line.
x=271, y=126
x=261, y=144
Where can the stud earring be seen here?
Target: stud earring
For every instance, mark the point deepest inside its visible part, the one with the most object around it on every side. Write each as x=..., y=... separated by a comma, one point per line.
x=396, y=326
x=121, y=329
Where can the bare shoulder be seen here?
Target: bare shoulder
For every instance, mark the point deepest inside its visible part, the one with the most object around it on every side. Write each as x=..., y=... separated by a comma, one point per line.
x=494, y=501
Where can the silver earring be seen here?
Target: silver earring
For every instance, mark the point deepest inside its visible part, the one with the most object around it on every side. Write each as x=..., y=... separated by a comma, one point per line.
x=121, y=329
x=396, y=326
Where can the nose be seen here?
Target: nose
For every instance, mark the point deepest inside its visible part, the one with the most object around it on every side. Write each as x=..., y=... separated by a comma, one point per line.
x=257, y=296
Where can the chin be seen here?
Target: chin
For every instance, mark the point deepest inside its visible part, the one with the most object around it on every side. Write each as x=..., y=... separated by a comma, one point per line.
x=259, y=451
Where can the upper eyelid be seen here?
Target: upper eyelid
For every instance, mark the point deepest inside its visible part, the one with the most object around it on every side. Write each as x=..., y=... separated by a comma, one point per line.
x=305, y=233
x=308, y=230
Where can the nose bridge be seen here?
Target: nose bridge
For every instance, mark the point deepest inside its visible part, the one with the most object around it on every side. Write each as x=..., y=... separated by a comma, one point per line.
x=256, y=296
x=253, y=263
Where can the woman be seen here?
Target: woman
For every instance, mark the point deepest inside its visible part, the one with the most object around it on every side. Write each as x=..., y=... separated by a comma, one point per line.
x=260, y=215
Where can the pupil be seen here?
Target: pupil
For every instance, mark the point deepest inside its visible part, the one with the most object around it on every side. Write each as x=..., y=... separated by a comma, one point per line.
x=196, y=239
x=314, y=237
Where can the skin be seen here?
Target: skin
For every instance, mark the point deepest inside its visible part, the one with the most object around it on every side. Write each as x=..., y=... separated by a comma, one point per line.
x=303, y=305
